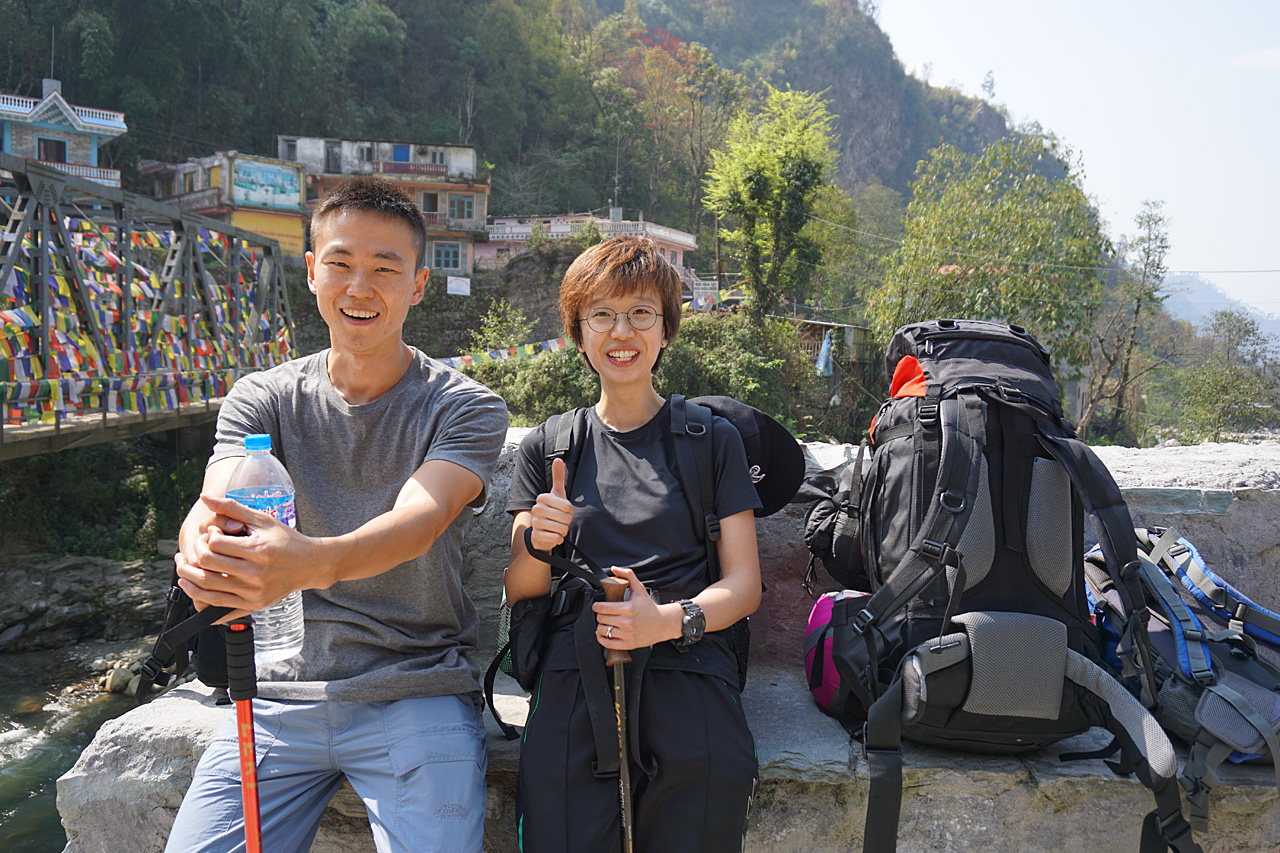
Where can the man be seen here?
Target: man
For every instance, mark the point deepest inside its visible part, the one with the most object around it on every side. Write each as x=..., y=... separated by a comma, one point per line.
x=386, y=447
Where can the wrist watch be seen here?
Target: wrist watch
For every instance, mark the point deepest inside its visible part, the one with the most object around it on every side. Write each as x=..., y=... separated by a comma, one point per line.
x=691, y=630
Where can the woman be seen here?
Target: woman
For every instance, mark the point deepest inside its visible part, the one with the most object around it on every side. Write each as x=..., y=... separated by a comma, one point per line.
x=692, y=765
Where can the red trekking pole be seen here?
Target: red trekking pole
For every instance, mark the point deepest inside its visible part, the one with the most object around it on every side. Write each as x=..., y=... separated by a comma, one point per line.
x=242, y=686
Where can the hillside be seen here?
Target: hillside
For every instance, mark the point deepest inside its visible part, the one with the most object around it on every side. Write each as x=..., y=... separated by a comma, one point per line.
x=559, y=96
x=887, y=120
x=1193, y=299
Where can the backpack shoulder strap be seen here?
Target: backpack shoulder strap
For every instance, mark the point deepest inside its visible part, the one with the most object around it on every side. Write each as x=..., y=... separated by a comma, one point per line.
x=562, y=439
x=1194, y=660
x=933, y=549
x=1102, y=501
x=1181, y=560
x=172, y=644
x=1139, y=735
x=695, y=460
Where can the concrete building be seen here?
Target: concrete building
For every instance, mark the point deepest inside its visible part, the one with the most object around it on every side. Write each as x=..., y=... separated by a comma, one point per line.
x=444, y=180
x=509, y=236
x=254, y=193
x=59, y=134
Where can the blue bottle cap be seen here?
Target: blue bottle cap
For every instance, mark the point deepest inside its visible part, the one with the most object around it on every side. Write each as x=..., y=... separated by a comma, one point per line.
x=257, y=441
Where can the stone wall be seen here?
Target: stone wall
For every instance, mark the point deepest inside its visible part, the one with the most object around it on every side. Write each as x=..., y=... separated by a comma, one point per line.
x=813, y=777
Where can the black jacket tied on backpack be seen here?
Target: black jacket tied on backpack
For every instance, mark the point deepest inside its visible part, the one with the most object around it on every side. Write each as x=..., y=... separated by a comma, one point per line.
x=967, y=528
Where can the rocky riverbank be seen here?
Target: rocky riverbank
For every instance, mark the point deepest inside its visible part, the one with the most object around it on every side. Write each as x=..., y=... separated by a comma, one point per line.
x=53, y=602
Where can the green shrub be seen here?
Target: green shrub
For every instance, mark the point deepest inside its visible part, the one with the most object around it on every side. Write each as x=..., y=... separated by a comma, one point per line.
x=725, y=354
x=536, y=389
x=713, y=354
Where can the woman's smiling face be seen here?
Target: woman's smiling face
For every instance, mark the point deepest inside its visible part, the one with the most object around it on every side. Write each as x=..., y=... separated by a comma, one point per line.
x=623, y=353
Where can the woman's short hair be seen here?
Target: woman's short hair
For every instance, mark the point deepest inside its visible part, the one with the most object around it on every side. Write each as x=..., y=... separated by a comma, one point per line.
x=620, y=266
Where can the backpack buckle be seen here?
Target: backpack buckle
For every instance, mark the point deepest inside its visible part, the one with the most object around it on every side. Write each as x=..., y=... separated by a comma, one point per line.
x=928, y=413
x=174, y=594
x=154, y=670
x=932, y=550
x=713, y=527
x=862, y=619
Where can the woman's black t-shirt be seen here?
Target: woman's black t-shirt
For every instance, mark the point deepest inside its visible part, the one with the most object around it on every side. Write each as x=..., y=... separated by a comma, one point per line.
x=630, y=510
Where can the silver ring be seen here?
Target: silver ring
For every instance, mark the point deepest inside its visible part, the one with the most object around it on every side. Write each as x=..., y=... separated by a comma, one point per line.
x=608, y=633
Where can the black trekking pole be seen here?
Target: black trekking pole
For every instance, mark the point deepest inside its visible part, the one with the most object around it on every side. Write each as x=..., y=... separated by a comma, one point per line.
x=614, y=590
x=242, y=687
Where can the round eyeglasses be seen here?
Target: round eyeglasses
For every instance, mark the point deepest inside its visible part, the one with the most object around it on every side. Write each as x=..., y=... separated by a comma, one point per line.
x=603, y=319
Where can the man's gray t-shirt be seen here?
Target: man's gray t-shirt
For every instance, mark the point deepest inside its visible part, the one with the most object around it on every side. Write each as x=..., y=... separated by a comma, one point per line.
x=408, y=631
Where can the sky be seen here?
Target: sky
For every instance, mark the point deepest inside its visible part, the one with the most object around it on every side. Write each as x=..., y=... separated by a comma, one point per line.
x=1172, y=101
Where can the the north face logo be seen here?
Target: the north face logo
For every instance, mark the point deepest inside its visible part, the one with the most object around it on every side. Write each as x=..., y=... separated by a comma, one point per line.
x=451, y=811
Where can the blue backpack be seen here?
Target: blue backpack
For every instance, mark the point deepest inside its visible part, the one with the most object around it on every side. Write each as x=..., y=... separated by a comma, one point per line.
x=1216, y=656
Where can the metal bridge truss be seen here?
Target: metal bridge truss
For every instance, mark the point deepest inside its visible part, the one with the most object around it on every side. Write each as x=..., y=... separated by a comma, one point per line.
x=111, y=302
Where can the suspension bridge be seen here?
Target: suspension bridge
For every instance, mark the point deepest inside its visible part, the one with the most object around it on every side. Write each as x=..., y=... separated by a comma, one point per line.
x=120, y=315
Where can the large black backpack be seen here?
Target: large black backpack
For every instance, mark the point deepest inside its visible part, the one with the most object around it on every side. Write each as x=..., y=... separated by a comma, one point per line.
x=969, y=527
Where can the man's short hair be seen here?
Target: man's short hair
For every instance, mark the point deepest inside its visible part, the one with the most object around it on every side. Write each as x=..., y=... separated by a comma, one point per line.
x=374, y=195
x=625, y=265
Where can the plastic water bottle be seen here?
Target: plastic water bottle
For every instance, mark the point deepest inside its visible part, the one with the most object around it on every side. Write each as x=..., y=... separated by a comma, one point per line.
x=260, y=482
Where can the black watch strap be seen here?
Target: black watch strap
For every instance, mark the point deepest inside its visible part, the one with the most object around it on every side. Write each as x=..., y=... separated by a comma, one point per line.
x=693, y=626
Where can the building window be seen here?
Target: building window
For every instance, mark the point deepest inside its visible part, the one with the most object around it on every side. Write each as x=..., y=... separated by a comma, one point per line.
x=290, y=149
x=52, y=150
x=448, y=256
x=461, y=206
x=333, y=158
x=400, y=153
x=366, y=153
x=189, y=182
x=437, y=157
x=430, y=202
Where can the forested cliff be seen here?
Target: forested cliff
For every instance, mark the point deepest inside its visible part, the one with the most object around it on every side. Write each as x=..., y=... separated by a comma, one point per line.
x=573, y=102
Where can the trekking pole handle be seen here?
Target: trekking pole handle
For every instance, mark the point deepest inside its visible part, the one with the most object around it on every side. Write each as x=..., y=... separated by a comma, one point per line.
x=242, y=678
x=615, y=589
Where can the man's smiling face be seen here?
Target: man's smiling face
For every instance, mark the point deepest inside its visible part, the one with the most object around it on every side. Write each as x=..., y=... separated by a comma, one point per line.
x=362, y=269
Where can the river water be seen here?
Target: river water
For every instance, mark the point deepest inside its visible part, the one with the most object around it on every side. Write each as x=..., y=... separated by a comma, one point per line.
x=42, y=732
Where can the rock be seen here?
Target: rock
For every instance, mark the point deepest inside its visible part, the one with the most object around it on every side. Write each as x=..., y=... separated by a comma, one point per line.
x=131, y=689
x=118, y=679
x=167, y=547
x=812, y=794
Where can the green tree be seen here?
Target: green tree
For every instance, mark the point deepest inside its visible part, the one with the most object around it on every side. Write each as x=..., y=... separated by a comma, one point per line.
x=1117, y=322
x=503, y=326
x=1008, y=235
x=764, y=183
x=1233, y=386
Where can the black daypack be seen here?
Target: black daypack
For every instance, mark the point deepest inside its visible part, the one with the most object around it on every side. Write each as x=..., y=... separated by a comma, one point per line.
x=1219, y=685
x=187, y=636
x=776, y=464
x=969, y=534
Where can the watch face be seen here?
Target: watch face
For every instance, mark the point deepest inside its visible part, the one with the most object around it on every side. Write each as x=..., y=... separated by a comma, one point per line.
x=695, y=621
